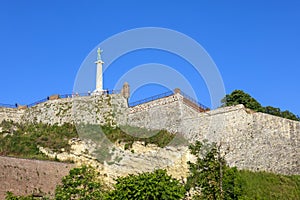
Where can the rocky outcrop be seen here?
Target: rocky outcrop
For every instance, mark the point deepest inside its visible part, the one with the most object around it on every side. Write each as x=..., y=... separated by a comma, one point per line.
x=138, y=159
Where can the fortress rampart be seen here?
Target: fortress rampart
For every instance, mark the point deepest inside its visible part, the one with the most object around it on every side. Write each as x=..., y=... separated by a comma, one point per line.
x=254, y=141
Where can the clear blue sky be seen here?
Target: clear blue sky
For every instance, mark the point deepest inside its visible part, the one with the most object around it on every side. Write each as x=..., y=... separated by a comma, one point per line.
x=255, y=44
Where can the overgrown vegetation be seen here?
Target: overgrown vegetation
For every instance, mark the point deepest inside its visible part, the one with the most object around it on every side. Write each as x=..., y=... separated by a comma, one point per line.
x=210, y=176
x=81, y=183
x=264, y=185
x=149, y=185
x=213, y=179
x=128, y=135
x=240, y=97
x=22, y=140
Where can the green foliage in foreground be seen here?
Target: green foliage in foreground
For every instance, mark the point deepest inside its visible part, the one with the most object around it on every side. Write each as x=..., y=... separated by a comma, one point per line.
x=264, y=185
x=22, y=140
x=81, y=183
x=240, y=97
x=210, y=174
x=156, y=185
x=218, y=181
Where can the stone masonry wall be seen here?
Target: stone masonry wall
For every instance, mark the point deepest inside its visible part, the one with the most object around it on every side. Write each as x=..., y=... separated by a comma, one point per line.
x=25, y=176
x=255, y=141
x=11, y=114
x=88, y=109
x=250, y=140
x=166, y=113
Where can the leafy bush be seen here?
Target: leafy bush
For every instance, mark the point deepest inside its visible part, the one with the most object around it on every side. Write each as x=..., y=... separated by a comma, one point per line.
x=81, y=183
x=156, y=185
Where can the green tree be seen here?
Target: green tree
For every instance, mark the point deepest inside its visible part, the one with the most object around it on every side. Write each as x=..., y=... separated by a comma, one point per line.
x=210, y=173
x=289, y=115
x=240, y=97
x=151, y=186
x=272, y=111
x=81, y=183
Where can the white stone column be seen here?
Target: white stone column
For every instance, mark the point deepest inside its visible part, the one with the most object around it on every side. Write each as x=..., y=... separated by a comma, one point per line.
x=99, y=76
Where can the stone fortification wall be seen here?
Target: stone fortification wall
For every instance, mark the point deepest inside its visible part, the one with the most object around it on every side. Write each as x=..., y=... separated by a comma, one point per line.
x=13, y=114
x=255, y=141
x=100, y=109
x=165, y=113
x=25, y=177
x=250, y=140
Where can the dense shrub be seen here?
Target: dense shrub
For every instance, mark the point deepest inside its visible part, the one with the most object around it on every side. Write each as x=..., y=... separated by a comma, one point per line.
x=151, y=186
x=82, y=183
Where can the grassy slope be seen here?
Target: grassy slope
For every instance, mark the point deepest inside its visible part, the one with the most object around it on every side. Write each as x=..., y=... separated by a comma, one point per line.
x=263, y=185
x=23, y=140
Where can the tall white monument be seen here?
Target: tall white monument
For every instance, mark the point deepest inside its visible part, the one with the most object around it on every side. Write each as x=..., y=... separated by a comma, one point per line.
x=99, y=76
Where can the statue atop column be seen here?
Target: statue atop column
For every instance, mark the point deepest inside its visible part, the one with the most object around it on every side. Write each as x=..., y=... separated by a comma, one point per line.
x=99, y=75
x=99, y=51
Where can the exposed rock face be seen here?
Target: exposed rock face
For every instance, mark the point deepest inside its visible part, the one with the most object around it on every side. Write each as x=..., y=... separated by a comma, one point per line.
x=138, y=159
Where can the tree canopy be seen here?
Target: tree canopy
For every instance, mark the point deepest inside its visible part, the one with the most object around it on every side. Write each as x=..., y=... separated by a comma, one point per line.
x=240, y=97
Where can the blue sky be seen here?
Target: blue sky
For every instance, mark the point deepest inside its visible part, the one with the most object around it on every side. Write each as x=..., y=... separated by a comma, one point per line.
x=255, y=44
